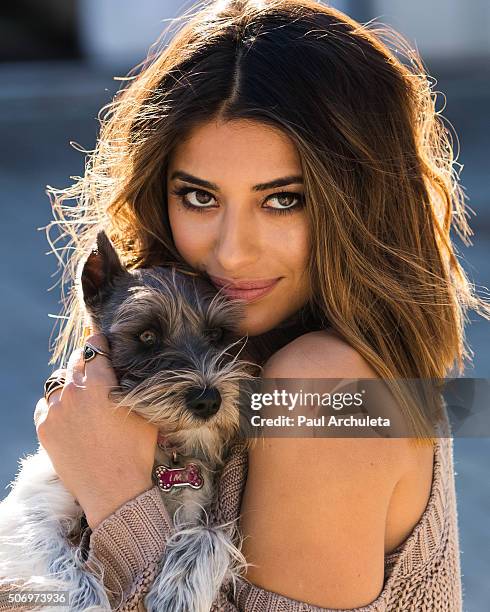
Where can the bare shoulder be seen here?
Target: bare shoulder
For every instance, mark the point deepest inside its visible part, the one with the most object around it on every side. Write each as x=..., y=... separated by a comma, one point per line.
x=334, y=495
x=318, y=354
x=313, y=516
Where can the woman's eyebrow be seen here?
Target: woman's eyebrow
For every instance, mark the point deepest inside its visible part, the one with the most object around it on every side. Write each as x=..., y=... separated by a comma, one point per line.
x=280, y=182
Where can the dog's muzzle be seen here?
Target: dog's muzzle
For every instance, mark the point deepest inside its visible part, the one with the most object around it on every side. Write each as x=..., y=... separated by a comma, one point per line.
x=203, y=403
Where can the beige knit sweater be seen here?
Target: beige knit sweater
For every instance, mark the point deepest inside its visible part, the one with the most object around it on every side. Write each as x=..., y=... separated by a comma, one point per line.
x=422, y=574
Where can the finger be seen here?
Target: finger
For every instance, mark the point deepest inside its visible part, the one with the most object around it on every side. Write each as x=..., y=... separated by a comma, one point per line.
x=41, y=411
x=60, y=372
x=100, y=366
x=55, y=393
x=75, y=369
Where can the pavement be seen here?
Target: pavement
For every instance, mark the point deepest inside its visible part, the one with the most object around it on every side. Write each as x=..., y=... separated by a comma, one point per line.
x=45, y=106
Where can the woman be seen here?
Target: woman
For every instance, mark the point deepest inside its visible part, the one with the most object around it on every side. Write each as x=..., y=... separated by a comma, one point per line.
x=283, y=143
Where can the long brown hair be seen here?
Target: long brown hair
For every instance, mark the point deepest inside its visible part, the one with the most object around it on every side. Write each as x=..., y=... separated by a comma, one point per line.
x=381, y=189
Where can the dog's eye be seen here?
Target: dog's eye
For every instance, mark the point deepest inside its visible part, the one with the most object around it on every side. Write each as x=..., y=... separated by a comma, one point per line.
x=148, y=337
x=215, y=335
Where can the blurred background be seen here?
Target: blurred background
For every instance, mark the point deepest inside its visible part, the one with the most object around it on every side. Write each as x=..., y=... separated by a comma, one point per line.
x=58, y=60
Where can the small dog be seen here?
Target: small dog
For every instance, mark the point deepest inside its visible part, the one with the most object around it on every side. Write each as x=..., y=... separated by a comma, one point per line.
x=174, y=351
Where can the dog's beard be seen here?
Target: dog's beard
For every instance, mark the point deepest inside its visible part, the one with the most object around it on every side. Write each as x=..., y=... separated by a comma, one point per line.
x=160, y=398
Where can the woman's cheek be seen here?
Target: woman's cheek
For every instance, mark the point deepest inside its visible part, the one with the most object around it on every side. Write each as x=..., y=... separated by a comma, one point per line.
x=189, y=238
x=295, y=245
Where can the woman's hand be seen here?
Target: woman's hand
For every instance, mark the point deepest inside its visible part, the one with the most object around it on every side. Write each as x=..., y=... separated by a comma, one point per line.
x=103, y=455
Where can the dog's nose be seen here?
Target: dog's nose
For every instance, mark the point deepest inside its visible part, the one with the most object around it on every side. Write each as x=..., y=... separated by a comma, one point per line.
x=203, y=402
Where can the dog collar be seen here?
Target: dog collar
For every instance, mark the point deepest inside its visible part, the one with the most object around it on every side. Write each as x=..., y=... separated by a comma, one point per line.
x=164, y=446
x=169, y=477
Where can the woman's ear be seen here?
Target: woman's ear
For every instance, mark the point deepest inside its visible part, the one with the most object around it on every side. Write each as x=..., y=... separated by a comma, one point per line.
x=100, y=270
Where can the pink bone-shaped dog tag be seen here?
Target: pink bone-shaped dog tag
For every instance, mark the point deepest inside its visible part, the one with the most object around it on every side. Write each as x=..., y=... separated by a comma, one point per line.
x=188, y=476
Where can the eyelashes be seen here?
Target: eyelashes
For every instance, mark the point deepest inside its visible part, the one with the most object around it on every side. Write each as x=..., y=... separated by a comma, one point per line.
x=183, y=191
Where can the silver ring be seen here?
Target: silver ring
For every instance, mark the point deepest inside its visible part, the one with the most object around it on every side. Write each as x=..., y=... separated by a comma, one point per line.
x=90, y=352
x=52, y=384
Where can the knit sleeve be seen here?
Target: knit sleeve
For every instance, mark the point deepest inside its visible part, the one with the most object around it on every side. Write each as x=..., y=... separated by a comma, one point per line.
x=125, y=548
x=5, y=604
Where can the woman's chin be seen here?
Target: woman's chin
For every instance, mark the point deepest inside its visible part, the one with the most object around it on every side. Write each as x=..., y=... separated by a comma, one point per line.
x=255, y=326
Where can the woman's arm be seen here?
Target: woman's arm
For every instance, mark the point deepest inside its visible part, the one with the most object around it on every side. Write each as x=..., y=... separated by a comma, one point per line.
x=127, y=546
x=104, y=456
x=11, y=588
x=326, y=545
x=122, y=552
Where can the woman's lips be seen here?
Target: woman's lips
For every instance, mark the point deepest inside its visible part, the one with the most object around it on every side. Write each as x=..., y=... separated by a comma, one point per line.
x=245, y=294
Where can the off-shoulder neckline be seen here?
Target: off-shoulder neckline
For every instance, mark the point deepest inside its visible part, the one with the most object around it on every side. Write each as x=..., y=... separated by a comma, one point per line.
x=429, y=529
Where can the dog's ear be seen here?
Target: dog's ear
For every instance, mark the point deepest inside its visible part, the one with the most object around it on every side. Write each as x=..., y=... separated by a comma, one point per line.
x=101, y=268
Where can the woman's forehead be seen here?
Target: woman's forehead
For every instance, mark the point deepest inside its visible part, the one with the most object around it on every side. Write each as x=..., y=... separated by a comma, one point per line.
x=249, y=149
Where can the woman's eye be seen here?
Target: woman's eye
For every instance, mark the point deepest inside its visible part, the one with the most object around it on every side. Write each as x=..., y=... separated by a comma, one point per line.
x=148, y=337
x=215, y=335
x=284, y=200
x=195, y=199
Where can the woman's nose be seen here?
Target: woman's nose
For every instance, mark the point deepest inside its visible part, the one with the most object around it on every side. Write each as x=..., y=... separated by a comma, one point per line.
x=238, y=242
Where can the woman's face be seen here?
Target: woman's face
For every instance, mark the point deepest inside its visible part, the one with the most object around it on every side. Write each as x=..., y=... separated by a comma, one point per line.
x=229, y=219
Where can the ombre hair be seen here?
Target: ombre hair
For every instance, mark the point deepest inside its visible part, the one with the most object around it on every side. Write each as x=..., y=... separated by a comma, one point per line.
x=382, y=193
